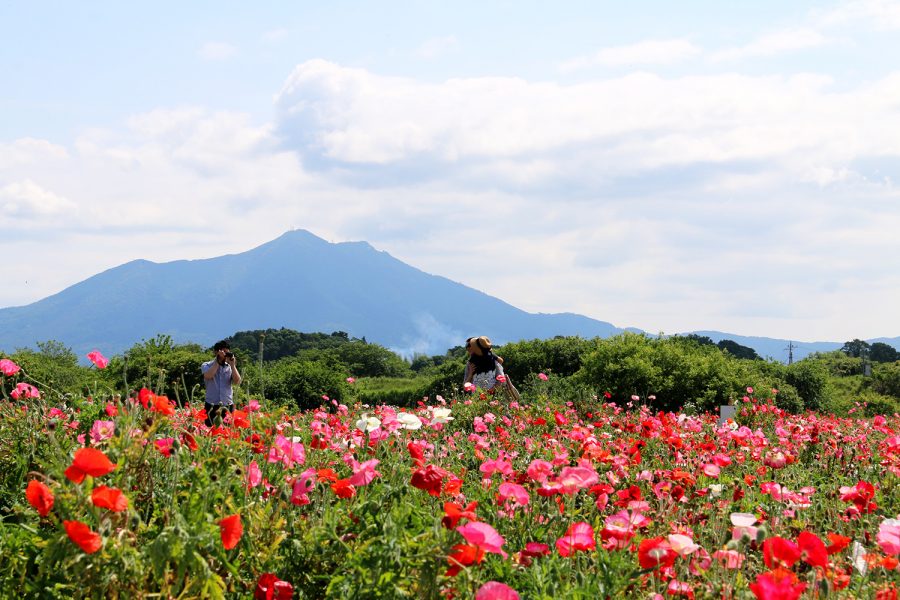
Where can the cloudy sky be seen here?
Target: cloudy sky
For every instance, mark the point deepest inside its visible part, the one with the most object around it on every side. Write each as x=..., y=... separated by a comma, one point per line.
x=668, y=166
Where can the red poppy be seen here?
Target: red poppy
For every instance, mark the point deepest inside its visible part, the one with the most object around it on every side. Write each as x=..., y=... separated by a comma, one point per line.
x=453, y=512
x=452, y=485
x=110, y=498
x=189, y=440
x=417, y=452
x=257, y=445
x=89, y=461
x=145, y=396
x=463, y=555
x=269, y=587
x=325, y=475
x=39, y=497
x=89, y=541
x=239, y=419
x=231, y=530
x=162, y=405
x=813, y=551
x=429, y=479
x=779, y=584
x=342, y=488
x=838, y=543
x=779, y=552
x=655, y=553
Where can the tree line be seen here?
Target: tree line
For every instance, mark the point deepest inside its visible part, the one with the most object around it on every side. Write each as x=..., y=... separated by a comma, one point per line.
x=306, y=370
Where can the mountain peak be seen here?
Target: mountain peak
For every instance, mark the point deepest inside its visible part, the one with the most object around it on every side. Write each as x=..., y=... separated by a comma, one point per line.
x=299, y=281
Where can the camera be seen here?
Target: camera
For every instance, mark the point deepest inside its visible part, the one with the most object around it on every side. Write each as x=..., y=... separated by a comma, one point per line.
x=229, y=354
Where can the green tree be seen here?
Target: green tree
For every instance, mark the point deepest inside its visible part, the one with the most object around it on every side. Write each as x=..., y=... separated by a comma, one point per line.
x=886, y=379
x=281, y=343
x=809, y=378
x=303, y=383
x=56, y=366
x=370, y=360
x=161, y=365
x=675, y=373
x=883, y=353
x=737, y=350
x=856, y=348
x=561, y=356
x=703, y=340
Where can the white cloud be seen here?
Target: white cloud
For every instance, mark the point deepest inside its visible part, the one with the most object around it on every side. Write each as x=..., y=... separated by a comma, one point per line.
x=214, y=51
x=650, y=52
x=436, y=47
x=514, y=131
x=745, y=204
x=27, y=200
x=773, y=44
x=882, y=15
x=27, y=150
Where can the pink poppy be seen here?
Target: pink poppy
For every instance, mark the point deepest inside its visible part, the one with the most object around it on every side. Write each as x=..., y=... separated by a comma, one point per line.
x=730, y=559
x=681, y=544
x=98, y=359
x=165, y=446
x=484, y=536
x=888, y=537
x=579, y=538
x=515, y=492
x=494, y=590
x=303, y=485
x=287, y=451
x=8, y=367
x=102, y=430
x=573, y=479
x=25, y=390
x=365, y=473
x=539, y=470
x=254, y=474
x=542, y=377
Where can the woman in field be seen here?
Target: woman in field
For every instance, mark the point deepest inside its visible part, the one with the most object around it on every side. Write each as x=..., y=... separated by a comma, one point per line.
x=484, y=369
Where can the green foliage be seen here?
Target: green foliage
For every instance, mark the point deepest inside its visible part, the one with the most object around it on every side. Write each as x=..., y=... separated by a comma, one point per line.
x=674, y=372
x=809, y=378
x=737, y=350
x=560, y=356
x=446, y=379
x=702, y=340
x=282, y=343
x=56, y=367
x=370, y=360
x=393, y=391
x=160, y=365
x=886, y=379
x=302, y=383
x=838, y=363
x=883, y=353
x=856, y=348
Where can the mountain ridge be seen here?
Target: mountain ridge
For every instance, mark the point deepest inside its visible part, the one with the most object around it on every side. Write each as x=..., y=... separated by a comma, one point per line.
x=302, y=282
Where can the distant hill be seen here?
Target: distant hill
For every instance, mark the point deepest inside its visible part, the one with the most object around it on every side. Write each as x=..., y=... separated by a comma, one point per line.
x=301, y=282
x=778, y=349
x=297, y=281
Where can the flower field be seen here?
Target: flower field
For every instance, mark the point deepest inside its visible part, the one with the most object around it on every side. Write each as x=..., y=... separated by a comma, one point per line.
x=465, y=496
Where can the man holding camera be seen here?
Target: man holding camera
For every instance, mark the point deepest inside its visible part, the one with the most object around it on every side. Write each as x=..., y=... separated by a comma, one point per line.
x=220, y=374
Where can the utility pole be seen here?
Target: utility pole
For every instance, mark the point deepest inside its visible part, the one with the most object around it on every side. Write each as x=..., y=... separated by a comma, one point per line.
x=262, y=381
x=790, y=350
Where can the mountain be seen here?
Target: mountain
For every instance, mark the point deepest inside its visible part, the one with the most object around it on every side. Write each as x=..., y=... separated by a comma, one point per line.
x=305, y=283
x=778, y=349
x=297, y=281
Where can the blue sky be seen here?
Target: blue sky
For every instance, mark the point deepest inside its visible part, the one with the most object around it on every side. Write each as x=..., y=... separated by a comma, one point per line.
x=673, y=167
